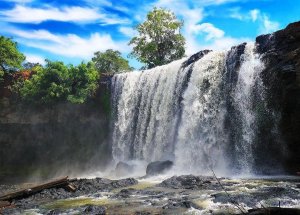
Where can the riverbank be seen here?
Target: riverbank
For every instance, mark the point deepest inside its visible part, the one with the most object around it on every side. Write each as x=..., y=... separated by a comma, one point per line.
x=187, y=194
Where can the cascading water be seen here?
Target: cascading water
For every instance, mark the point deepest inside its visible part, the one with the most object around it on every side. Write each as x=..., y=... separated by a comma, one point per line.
x=200, y=135
x=179, y=112
x=248, y=82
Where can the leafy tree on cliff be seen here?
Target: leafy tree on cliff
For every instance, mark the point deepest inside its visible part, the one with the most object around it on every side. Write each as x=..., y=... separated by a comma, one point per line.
x=83, y=81
x=159, y=41
x=10, y=57
x=110, y=61
x=47, y=85
x=57, y=82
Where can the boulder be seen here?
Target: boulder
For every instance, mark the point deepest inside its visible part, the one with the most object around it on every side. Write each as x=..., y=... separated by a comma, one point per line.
x=186, y=182
x=158, y=167
x=123, y=168
x=95, y=210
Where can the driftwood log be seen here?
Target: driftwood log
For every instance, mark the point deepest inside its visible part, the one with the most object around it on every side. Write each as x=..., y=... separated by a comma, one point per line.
x=60, y=182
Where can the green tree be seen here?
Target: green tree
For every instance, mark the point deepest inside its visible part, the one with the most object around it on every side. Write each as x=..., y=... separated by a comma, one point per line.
x=110, y=61
x=47, y=85
x=159, y=41
x=10, y=57
x=57, y=82
x=83, y=82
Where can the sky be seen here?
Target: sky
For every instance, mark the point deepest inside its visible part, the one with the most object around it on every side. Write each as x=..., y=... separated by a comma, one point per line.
x=72, y=30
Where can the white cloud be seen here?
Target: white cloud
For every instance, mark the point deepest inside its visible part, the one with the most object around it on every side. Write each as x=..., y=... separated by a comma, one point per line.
x=24, y=14
x=211, y=31
x=37, y=35
x=268, y=26
x=19, y=1
x=35, y=59
x=69, y=45
x=254, y=14
x=128, y=31
x=236, y=13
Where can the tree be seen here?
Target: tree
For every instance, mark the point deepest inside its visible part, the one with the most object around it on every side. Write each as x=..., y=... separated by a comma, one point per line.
x=159, y=41
x=110, y=61
x=83, y=82
x=47, y=85
x=10, y=57
x=57, y=82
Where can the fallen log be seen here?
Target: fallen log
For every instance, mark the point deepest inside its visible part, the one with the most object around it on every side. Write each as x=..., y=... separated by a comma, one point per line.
x=61, y=182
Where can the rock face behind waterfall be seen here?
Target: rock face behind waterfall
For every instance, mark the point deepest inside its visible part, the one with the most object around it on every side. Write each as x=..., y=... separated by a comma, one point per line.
x=281, y=54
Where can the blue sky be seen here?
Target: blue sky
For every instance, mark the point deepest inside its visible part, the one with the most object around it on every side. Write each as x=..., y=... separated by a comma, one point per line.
x=72, y=30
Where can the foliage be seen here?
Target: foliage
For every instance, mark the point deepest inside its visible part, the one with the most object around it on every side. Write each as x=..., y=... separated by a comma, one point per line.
x=57, y=82
x=110, y=61
x=10, y=57
x=159, y=41
x=82, y=81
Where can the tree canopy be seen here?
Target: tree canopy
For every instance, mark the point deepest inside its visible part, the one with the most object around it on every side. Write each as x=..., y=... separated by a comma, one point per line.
x=57, y=82
x=10, y=57
x=110, y=61
x=159, y=41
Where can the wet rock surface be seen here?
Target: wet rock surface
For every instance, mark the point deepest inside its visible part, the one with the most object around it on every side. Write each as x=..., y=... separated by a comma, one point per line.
x=186, y=182
x=95, y=210
x=186, y=194
x=158, y=167
x=281, y=54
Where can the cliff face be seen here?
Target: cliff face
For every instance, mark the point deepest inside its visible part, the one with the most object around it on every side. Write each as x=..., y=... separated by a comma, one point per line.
x=281, y=54
x=64, y=139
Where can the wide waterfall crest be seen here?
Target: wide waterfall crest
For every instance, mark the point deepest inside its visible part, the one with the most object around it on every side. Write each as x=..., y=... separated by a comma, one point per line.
x=179, y=112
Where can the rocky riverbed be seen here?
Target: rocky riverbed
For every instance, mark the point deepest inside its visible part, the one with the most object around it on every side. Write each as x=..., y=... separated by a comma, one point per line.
x=186, y=194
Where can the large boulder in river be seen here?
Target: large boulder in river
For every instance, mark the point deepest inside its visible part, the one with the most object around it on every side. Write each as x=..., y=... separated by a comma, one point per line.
x=123, y=169
x=186, y=182
x=158, y=167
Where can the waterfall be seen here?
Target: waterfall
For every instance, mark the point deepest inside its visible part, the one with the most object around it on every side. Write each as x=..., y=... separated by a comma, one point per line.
x=180, y=111
x=200, y=134
x=248, y=82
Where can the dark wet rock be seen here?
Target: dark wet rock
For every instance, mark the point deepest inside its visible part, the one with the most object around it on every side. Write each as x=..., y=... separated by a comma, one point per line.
x=179, y=204
x=87, y=186
x=142, y=213
x=158, y=167
x=274, y=211
x=123, y=168
x=233, y=63
x=281, y=77
x=124, y=193
x=95, y=210
x=195, y=57
x=186, y=182
x=54, y=212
